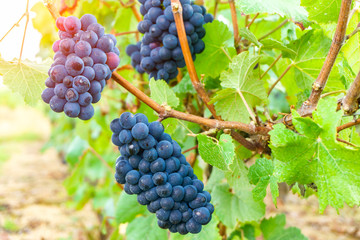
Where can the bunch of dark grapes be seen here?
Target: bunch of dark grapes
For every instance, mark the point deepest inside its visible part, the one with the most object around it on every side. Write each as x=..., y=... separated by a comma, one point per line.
x=152, y=166
x=84, y=59
x=159, y=52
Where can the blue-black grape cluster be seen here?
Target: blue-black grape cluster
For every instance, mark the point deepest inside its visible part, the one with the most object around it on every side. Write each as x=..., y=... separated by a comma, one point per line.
x=159, y=52
x=84, y=59
x=152, y=166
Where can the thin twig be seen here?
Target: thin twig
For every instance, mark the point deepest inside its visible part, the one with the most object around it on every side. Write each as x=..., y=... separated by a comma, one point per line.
x=190, y=149
x=271, y=66
x=356, y=30
x=106, y=164
x=177, y=11
x=346, y=142
x=216, y=8
x=348, y=125
x=332, y=93
x=337, y=42
x=26, y=25
x=170, y=113
x=237, y=136
x=15, y=24
x=235, y=26
x=136, y=13
x=126, y=33
x=277, y=81
x=274, y=30
x=252, y=21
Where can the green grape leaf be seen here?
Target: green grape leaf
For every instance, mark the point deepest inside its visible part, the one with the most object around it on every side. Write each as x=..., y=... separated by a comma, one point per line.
x=242, y=204
x=75, y=150
x=274, y=229
x=310, y=53
x=127, y=208
x=270, y=43
x=185, y=86
x=247, y=34
x=314, y=156
x=219, y=154
x=239, y=81
x=322, y=11
x=162, y=94
x=288, y=8
x=26, y=78
x=351, y=49
x=219, y=44
x=261, y=174
x=145, y=228
x=208, y=231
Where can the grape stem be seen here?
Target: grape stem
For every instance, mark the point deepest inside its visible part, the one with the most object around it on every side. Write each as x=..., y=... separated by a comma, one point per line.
x=234, y=18
x=177, y=11
x=274, y=30
x=348, y=125
x=337, y=42
x=170, y=113
x=279, y=79
x=26, y=25
x=65, y=8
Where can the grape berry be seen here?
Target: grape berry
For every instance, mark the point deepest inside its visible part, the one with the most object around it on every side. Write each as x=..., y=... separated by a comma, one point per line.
x=159, y=52
x=152, y=166
x=84, y=59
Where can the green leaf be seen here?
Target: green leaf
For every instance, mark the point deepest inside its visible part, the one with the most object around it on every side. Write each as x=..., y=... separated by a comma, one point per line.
x=185, y=86
x=243, y=207
x=270, y=43
x=75, y=150
x=162, y=94
x=219, y=154
x=289, y=8
x=322, y=11
x=247, y=34
x=310, y=53
x=215, y=58
x=273, y=229
x=239, y=80
x=127, y=208
x=316, y=157
x=351, y=49
x=261, y=174
x=209, y=231
x=145, y=228
x=26, y=78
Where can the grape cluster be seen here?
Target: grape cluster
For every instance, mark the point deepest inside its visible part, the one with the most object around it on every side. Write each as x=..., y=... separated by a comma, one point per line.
x=152, y=166
x=84, y=59
x=159, y=52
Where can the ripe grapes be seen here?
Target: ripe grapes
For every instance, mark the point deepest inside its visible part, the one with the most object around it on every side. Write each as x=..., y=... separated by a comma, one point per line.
x=84, y=59
x=152, y=167
x=159, y=52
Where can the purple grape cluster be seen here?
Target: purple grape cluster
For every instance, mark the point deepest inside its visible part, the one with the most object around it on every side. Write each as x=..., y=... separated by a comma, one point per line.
x=159, y=52
x=152, y=166
x=84, y=59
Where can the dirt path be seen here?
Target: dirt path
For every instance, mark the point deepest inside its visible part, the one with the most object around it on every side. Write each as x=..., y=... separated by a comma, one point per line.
x=32, y=198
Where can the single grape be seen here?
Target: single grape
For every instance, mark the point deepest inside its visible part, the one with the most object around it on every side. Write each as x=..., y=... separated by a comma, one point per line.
x=81, y=84
x=89, y=73
x=90, y=37
x=105, y=43
x=57, y=104
x=86, y=112
x=85, y=99
x=157, y=166
x=72, y=24
x=72, y=109
x=86, y=20
x=96, y=28
x=175, y=217
x=60, y=23
x=132, y=177
x=113, y=60
x=71, y=95
x=165, y=149
x=95, y=88
x=74, y=66
x=47, y=94
x=192, y=226
x=98, y=56
x=58, y=73
x=60, y=90
x=167, y=203
x=159, y=178
x=82, y=49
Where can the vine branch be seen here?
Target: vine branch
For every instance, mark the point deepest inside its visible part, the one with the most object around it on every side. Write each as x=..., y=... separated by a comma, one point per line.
x=348, y=125
x=350, y=103
x=235, y=26
x=177, y=11
x=170, y=113
x=337, y=42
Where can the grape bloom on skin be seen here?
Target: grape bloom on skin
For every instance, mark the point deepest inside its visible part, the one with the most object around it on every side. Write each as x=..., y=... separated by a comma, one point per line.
x=84, y=60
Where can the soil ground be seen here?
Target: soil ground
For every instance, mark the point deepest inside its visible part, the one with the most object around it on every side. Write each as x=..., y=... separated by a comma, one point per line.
x=33, y=199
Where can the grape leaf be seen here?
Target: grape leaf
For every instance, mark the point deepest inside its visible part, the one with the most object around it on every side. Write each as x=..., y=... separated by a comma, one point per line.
x=127, y=208
x=261, y=175
x=322, y=11
x=26, y=78
x=162, y=94
x=351, y=49
x=316, y=157
x=273, y=229
x=242, y=204
x=310, y=53
x=247, y=34
x=219, y=45
x=75, y=150
x=270, y=43
x=289, y=8
x=209, y=231
x=145, y=228
x=219, y=154
x=239, y=80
